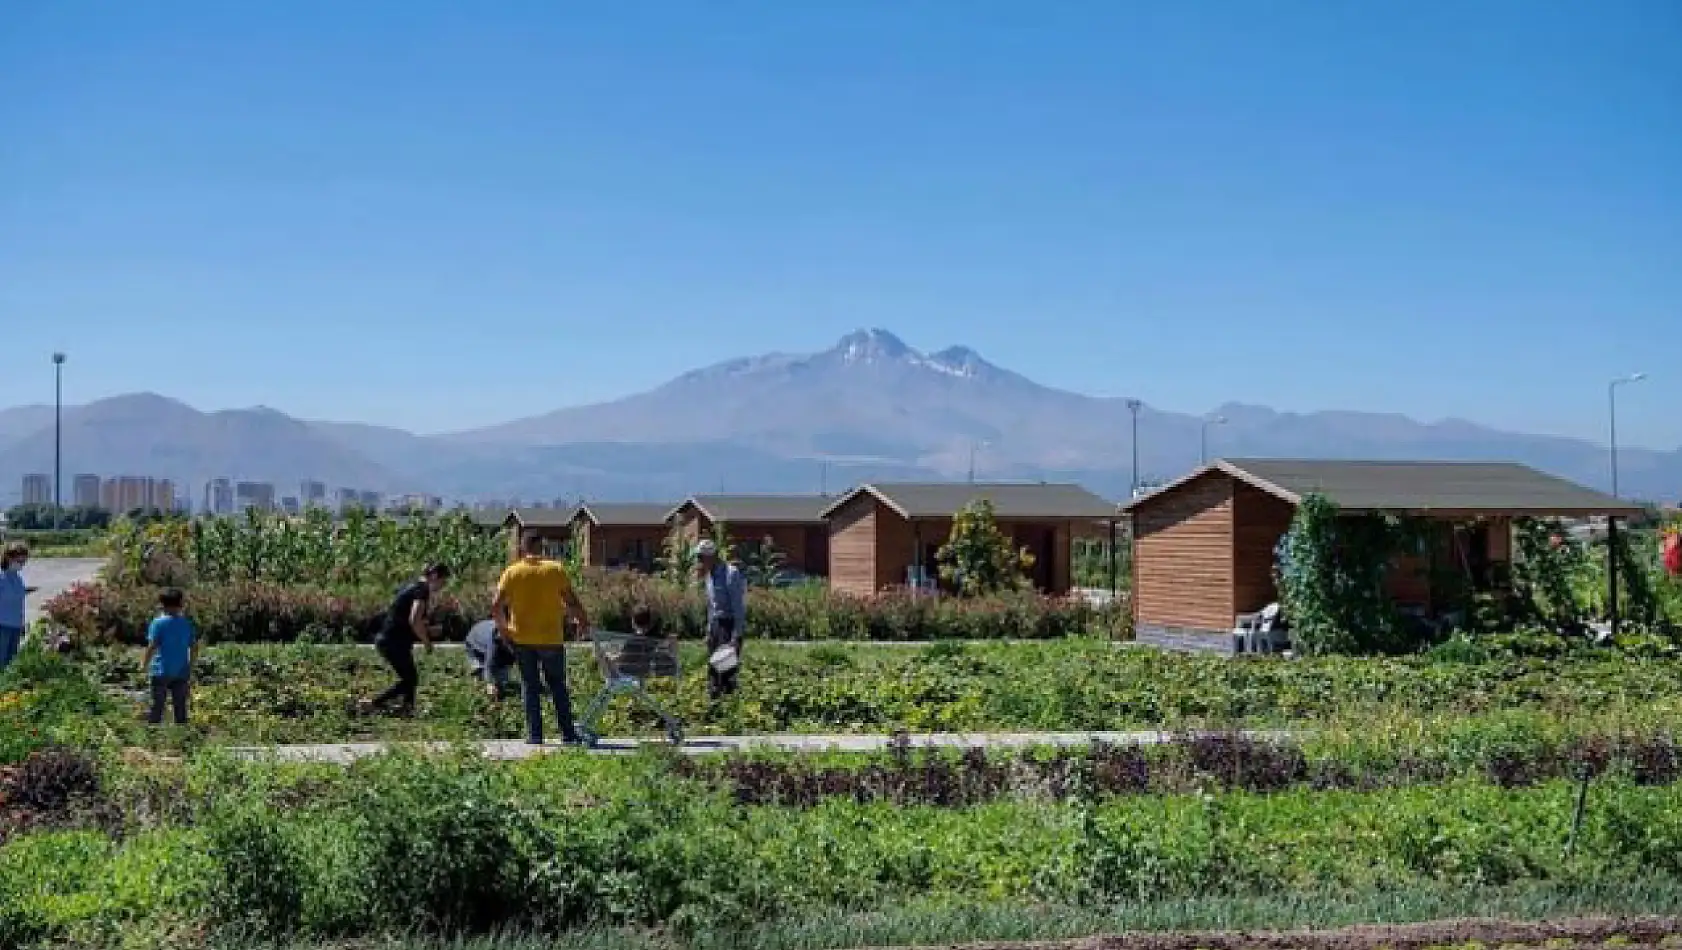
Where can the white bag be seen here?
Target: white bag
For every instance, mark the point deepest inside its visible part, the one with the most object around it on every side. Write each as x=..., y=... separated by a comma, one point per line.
x=724, y=659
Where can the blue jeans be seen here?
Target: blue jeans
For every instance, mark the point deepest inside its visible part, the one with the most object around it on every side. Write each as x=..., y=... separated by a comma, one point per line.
x=10, y=639
x=537, y=665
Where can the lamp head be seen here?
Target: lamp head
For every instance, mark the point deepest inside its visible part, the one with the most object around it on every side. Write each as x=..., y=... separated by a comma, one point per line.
x=58, y=359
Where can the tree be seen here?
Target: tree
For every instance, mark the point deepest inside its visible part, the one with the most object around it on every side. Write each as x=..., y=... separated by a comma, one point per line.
x=762, y=562
x=677, y=557
x=676, y=562
x=977, y=557
x=40, y=518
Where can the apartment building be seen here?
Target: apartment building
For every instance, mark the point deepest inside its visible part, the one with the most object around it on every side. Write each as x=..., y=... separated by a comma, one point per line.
x=126, y=493
x=85, y=491
x=258, y=495
x=219, y=496
x=37, y=489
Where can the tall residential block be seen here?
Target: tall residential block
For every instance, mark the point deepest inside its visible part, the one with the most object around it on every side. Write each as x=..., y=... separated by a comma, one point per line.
x=127, y=493
x=312, y=494
x=37, y=489
x=85, y=491
x=219, y=496
x=258, y=495
x=161, y=494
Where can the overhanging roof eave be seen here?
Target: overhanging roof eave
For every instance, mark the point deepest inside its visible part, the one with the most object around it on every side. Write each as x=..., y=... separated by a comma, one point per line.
x=1510, y=511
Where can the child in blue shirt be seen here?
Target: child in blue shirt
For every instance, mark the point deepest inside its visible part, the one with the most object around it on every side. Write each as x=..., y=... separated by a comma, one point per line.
x=172, y=648
x=13, y=594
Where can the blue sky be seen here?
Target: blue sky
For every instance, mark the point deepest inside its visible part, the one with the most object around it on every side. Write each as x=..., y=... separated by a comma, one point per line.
x=443, y=214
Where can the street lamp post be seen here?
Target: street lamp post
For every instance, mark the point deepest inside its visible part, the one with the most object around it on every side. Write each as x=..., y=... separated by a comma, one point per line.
x=1133, y=406
x=1203, y=437
x=1612, y=411
x=1612, y=520
x=58, y=439
x=973, y=446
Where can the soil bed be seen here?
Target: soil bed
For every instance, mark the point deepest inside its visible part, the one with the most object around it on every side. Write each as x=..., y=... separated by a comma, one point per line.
x=1555, y=935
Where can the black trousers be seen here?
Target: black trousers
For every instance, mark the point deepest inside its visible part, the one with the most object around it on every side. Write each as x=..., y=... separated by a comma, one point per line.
x=175, y=689
x=402, y=659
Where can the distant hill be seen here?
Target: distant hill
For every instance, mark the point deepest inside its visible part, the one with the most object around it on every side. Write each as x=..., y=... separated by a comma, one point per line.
x=20, y=422
x=868, y=407
x=872, y=399
x=147, y=434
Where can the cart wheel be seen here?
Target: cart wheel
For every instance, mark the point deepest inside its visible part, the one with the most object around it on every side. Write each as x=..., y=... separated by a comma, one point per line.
x=674, y=734
x=591, y=740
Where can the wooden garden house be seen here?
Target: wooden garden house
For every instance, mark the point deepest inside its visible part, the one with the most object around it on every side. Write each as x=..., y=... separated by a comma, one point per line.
x=885, y=535
x=553, y=525
x=794, y=524
x=1204, y=546
x=626, y=535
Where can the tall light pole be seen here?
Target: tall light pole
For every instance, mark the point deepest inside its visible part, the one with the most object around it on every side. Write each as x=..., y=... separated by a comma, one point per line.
x=973, y=446
x=1203, y=437
x=1133, y=406
x=1612, y=410
x=1612, y=521
x=58, y=438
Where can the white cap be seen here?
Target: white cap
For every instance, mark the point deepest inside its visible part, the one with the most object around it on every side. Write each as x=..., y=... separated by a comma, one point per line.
x=706, y=548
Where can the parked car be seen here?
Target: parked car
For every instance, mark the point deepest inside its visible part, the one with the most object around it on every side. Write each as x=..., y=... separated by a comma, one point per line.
x=789, y=577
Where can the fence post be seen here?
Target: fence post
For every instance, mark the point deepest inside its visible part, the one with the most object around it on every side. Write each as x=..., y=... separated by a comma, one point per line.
x=1577, y=813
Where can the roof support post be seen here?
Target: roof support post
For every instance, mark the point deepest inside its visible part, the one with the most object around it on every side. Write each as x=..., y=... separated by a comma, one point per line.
x=916, y=559
x=1612, y=572
x=1114, y=574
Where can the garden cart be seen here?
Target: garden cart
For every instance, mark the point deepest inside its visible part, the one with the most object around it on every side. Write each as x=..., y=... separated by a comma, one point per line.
x=627, y=662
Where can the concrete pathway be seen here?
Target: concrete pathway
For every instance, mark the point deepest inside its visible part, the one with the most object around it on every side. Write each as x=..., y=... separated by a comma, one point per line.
x=345, y=753
x=54, y=575
x=921, y=644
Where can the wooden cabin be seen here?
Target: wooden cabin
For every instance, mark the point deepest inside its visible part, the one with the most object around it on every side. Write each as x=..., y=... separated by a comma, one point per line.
x=794, y=524
x=885, y=535
x=553, y=525
x=1204, y=546
x=627, y=535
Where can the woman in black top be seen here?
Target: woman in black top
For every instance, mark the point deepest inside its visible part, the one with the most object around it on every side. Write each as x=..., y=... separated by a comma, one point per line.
x=405, y=622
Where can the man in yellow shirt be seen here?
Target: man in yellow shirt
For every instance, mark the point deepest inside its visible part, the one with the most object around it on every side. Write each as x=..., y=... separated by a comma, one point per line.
x=534, y=601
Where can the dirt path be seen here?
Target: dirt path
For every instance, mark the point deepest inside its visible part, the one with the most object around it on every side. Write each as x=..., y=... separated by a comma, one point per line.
x=1556, y=935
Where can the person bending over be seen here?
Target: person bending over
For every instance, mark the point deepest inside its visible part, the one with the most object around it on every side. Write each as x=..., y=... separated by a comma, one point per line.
x=489, y=658
x=405, y=622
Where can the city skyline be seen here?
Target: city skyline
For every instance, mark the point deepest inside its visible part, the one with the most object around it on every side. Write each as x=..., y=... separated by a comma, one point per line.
x=220, y=495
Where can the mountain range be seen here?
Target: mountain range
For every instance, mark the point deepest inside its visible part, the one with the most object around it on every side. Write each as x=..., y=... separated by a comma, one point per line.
x=868, y=407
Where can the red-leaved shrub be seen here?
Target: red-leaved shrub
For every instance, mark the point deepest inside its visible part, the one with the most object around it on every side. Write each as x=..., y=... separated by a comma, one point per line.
x=269, y=613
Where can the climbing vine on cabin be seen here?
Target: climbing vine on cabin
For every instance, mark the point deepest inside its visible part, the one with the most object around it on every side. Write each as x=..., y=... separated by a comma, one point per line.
x=1549, y=573
x=1331, y=575
x=1638, y=602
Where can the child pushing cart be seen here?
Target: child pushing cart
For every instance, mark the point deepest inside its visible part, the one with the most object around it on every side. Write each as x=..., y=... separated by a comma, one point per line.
x=627, y=662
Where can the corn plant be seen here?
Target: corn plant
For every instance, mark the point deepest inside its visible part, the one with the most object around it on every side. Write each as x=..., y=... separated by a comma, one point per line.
x=313, y=549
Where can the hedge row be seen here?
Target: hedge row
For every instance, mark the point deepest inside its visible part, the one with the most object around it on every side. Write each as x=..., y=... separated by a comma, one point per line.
x=462, y=846
x=268, y=613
